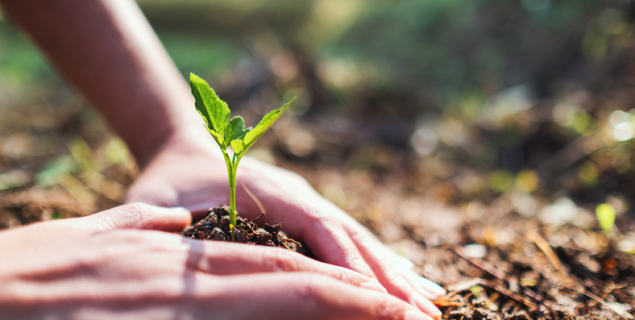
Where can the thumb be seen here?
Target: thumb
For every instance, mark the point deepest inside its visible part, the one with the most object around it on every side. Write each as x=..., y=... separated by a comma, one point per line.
x=137, y=216
x=151, y=191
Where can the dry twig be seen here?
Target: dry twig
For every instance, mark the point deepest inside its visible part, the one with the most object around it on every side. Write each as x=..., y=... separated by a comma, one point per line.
x=546, y=249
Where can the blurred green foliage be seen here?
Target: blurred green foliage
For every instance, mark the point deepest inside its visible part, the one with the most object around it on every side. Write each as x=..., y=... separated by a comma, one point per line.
x=20, y=62
x=605, y=214
x=450, y=48
x=492, y=97
x=443, y=50
x=52, y=171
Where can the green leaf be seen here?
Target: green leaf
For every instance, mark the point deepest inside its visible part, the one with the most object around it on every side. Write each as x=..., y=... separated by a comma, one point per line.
x=214, y=111
x=218, y=137
x=235, y=129
x=264, y=125
x=238, y=146
x=606, y=217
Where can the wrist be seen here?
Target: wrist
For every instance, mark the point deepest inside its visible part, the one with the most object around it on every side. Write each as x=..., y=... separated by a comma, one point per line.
x=192, y=138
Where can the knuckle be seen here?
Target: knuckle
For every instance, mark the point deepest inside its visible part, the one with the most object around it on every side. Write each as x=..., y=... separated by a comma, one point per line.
x=282, y=260
x=387, y=309
x=133, y=212
x=136, y=207
x=328, y=221
x=347, y=276
x=313, y=290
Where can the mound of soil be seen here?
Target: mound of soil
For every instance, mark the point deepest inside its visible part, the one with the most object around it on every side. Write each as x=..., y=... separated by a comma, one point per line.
x=215, y=226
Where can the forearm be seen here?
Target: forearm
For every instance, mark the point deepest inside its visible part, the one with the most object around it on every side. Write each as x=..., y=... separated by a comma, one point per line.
x=107, y=50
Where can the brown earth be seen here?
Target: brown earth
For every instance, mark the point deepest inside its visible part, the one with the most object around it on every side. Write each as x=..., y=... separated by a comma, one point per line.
x=215, y=226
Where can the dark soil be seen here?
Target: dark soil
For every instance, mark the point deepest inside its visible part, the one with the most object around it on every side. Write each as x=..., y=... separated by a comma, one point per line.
x=532, y=279
x=215, y=226
x=508, y=285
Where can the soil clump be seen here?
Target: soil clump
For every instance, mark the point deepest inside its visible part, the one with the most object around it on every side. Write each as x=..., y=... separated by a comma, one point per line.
x=215, y=226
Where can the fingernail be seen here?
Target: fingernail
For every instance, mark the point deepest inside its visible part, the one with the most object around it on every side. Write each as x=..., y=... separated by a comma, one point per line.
x=416, y=315
x=433, y=290
x=425, y=305
x=402, y=262
x=168, y=211
x=181, y=210
x=397, y=260
x=373, y=286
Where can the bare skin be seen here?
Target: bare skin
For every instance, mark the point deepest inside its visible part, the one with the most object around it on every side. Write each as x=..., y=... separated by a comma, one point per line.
x=116, y=264
x=107, y=50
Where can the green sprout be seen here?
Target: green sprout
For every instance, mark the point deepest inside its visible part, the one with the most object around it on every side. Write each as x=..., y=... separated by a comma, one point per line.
x=606, y=217
x=228, y=133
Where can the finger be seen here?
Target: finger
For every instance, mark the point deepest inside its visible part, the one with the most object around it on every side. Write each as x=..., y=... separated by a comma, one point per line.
x=198, y=200
x=378, y=251
x=319, y=224
x=151, y=190
x=408, y=288
x=384, y=260
x=305, y=296
x=136, y=216
x=330, y=243
x=280, y=296
x=428, y=288
x=397, y=260
x=322, y=233
x=404, y=266
x=220, y=258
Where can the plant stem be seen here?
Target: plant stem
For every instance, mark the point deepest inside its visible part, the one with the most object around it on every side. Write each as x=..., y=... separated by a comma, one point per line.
x=231, y=172
x=232, y=201
x=232, y=191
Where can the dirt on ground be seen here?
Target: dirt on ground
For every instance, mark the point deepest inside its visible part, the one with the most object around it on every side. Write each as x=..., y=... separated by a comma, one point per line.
x=532, y=251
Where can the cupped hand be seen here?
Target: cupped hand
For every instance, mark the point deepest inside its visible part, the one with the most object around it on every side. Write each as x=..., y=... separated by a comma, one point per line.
x=184, y=174
x=100, y=267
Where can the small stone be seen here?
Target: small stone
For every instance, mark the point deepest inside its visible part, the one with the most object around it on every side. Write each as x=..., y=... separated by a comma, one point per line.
x=207, y=224
x=474, y=250
x=217, y=234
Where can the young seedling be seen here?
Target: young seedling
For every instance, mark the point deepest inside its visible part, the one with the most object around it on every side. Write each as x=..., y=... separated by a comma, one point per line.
x=228, y=133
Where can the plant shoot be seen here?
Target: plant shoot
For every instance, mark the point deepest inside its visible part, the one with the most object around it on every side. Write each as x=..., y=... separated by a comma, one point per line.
x=228, y=133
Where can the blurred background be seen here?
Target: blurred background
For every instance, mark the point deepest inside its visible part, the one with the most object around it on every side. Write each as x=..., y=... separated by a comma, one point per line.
x=450, y=109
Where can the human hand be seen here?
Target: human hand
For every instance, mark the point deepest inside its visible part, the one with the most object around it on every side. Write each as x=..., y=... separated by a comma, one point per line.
x=195, y=177
x=93, y=268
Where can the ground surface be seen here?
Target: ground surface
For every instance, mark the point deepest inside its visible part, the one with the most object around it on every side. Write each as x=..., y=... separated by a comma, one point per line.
x=498, y=264
x=509, y=256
